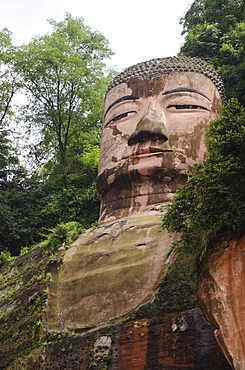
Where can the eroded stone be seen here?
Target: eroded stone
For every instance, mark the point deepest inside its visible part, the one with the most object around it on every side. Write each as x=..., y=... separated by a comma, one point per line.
x=106, y=274
x=221, y=296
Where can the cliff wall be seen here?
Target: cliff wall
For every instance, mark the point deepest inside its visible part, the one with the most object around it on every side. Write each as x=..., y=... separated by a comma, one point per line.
x=168, y=332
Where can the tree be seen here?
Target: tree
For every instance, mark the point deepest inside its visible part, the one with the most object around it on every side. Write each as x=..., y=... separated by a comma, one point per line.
x=9, y=81
x=10, y=168
x=63, y=75
x=213, y=199
x=215, y=32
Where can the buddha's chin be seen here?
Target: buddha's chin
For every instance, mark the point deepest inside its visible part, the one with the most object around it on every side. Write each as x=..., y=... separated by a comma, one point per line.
x=136, y=189
x=133, y=173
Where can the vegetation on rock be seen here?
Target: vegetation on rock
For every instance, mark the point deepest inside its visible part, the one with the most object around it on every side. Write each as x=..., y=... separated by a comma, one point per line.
x=213, y=198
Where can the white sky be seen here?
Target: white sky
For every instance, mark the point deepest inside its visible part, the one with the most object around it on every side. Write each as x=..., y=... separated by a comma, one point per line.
x=137, y=30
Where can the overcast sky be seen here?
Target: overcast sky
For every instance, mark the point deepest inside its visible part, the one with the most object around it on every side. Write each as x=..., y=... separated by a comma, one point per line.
x=137, y=30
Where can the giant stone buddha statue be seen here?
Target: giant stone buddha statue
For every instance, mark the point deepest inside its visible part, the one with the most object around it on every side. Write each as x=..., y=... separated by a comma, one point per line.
x=155, y=116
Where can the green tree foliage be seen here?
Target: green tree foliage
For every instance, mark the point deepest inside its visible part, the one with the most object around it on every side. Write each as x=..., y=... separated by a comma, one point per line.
x=27, y=216
x=213, y=198
x=63, y=75
x=64, y=78
x=10, y=169
x=9, y=79
x=215, y=32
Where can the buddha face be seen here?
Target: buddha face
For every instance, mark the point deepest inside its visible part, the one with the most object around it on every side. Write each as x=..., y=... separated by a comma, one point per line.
x=156, y=126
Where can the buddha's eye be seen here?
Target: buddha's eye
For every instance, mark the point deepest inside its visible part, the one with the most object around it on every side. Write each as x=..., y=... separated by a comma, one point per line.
x=121, y=116
x=189, y=106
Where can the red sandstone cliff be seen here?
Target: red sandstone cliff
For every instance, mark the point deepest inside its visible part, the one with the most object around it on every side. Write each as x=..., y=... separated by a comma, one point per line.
x=221, y=295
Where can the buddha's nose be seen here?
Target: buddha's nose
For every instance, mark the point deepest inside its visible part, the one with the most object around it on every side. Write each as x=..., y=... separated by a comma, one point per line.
x=150, y=128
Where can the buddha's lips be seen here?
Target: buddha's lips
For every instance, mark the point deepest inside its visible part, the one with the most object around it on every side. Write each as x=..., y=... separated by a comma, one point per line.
x=148, y=152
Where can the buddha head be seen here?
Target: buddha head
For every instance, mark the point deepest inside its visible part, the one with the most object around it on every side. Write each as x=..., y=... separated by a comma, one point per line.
x=156, y=114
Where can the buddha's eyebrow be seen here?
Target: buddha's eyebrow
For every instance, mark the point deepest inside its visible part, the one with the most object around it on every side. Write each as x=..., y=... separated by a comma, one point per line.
x=128, y=97
x=184, y=89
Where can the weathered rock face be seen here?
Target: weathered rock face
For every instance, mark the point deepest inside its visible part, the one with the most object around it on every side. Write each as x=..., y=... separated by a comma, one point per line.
x=108, y=272
x=117, y=298
x=221, y=294
x=180, y=341
x=162, y=334
x=148, y=142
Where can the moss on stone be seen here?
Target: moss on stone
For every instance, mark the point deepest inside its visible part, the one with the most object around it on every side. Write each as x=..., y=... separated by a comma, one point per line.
x=23, y=291
x=25, y=341
x=177, y=292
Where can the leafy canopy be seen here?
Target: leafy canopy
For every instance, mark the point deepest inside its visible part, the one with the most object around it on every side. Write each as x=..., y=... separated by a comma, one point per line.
x=63, y=76
x=213, y=198
x=215, y=32
x=10, y=168
x=9, y=78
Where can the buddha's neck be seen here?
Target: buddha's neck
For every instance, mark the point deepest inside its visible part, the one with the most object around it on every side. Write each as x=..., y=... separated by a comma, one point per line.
x=137, y=198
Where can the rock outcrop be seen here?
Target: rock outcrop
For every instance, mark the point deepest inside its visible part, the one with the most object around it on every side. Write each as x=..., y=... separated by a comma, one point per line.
x=108, y=272
x=168, y=332
x=221, y=295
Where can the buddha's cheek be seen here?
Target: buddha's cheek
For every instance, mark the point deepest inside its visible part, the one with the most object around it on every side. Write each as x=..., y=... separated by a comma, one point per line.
x=189, y=146
x=113, y=147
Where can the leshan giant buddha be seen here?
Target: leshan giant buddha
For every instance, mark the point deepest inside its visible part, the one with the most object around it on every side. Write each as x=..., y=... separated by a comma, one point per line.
x=155, y=117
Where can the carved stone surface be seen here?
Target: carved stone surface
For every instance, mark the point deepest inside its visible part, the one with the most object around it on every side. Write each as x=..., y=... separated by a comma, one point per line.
x=160, y=66
x=221, y=292
x=153, y=131
x=108, y=272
